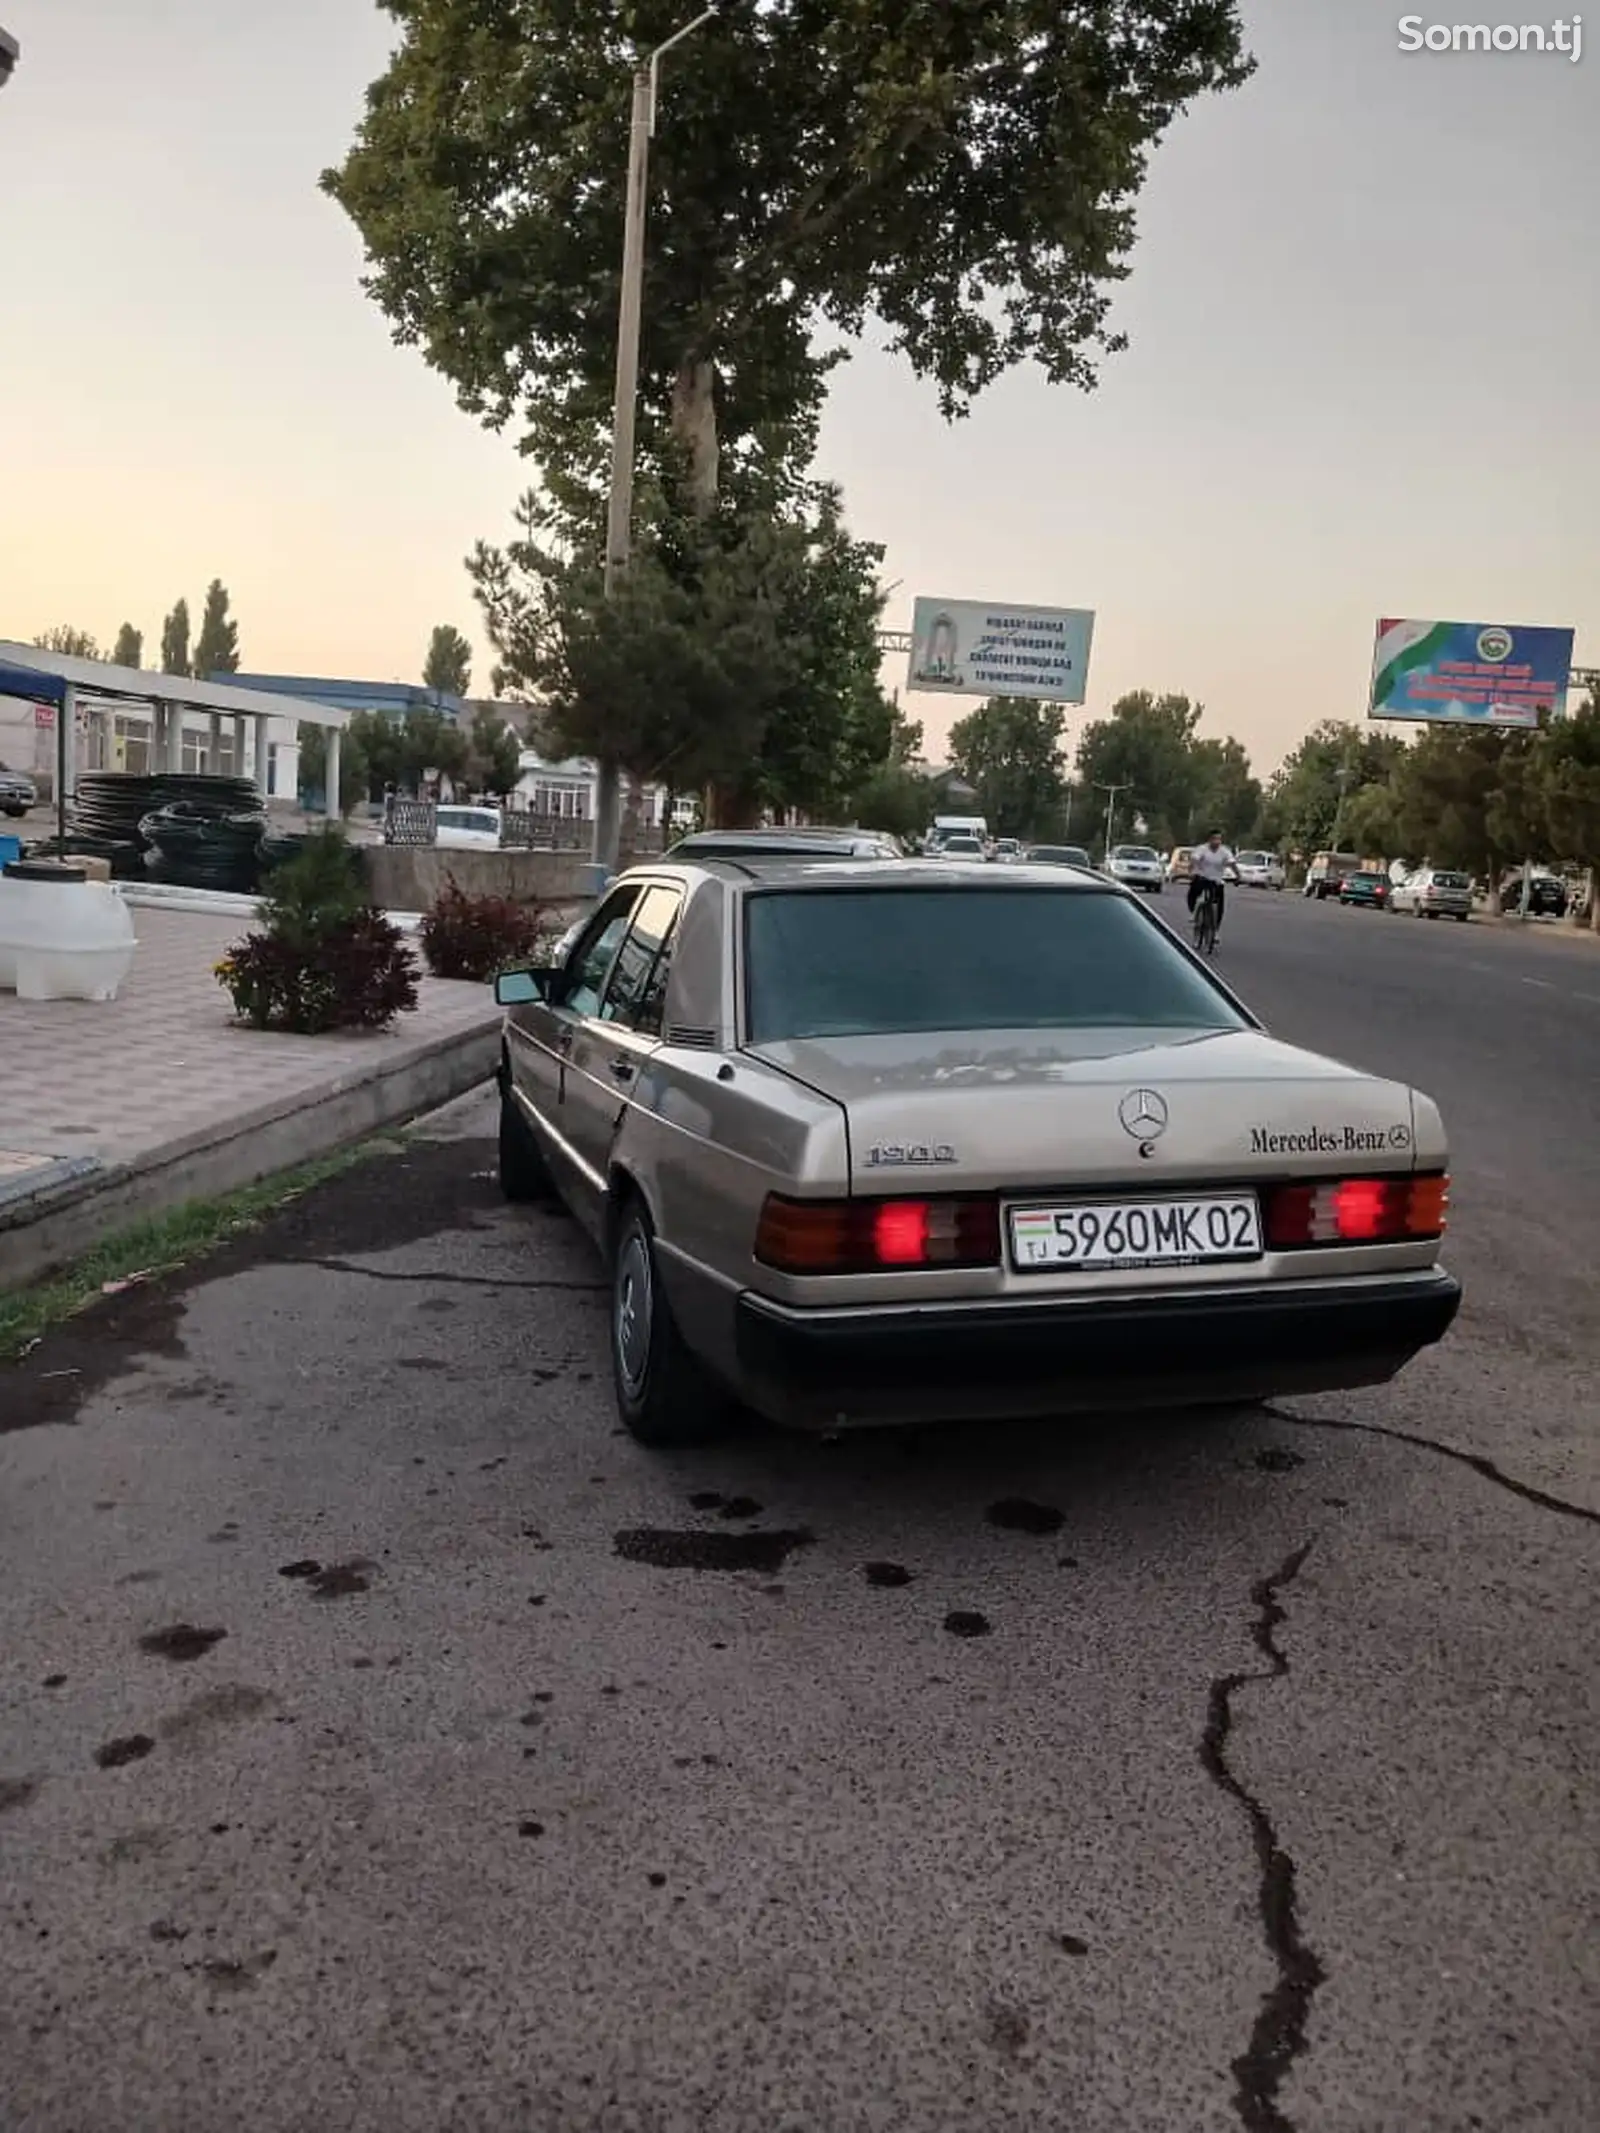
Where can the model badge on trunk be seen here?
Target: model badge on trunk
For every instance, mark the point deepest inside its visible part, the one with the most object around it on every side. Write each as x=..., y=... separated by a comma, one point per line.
x=893, y=1155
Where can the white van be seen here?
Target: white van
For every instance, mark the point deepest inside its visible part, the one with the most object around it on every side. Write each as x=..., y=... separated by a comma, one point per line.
x=957, y=826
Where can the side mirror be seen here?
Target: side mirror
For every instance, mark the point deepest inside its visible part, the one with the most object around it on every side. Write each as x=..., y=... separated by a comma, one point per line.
x=521, y=988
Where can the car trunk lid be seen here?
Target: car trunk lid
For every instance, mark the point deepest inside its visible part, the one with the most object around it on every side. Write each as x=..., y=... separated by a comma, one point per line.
x=1026, y=1110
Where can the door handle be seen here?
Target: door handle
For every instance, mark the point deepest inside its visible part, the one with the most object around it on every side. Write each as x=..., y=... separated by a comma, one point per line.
x=622, y=1068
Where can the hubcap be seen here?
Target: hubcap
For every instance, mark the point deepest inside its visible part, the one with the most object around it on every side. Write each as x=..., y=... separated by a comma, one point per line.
x=633, y=1313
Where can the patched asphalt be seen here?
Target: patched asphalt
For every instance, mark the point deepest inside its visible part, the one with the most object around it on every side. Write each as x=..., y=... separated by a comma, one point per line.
x=386, y=1741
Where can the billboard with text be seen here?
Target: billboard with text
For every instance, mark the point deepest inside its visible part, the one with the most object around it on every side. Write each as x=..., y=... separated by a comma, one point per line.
x=983, y=648
x=1470, y=673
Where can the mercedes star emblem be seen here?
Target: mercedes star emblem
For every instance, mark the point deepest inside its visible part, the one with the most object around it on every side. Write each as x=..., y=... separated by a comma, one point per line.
x=1143, y=1114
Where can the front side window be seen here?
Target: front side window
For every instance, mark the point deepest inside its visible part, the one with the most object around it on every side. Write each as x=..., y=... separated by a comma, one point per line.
x=594, y=953
x=634, y=993
x=855, y=962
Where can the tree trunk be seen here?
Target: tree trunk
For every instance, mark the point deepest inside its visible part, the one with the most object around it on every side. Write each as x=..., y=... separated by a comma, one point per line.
x=694, y=425
x=628, y=835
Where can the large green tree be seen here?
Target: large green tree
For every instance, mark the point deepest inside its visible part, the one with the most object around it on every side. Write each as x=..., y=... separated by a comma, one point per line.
x=495, y=756
x=175, y=640
x=1150, y=748
x=1564, y=783
x=128, y=651
x=1461, y=799
x=739, y=652
x=216, y=649
x=1307, y=796
x=448, y=666
x=1009, y=751
x=964, y=173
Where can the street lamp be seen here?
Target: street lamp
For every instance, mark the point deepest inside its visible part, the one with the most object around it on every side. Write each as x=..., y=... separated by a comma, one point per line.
x=10, y=53
x=1111, y=792
x=624, y=415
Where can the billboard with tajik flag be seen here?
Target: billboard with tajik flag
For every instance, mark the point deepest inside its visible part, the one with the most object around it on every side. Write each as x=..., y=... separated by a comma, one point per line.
x=1470, y=673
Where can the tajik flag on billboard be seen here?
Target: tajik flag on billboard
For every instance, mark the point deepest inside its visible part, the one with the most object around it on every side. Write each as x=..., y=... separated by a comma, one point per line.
x=1402, y=648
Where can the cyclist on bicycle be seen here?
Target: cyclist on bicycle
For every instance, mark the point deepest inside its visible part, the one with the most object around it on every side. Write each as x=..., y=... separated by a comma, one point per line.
x=1210, y=865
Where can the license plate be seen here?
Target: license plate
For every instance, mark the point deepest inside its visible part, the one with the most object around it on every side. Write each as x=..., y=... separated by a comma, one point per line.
x=1136, y=1233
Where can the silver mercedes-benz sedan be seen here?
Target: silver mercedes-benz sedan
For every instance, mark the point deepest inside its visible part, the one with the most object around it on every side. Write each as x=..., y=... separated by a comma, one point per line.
x=896, y=1141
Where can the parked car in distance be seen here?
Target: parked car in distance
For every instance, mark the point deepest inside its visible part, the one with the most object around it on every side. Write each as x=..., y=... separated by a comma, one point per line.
x=1181, y=865
x=1136, y=866
x=17, y=793
x=1547, y=893
x=906, y=1143
x=1433, y=892
x=1326, y=871
x=1058, y=855
x=466, y=829
x=1365, y=886
x=1007, y=851
x=959, y=845
x=1260, y=870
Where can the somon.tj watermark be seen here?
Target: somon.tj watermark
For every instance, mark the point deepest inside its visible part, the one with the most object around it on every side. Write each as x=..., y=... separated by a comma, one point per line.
x=1565, y=36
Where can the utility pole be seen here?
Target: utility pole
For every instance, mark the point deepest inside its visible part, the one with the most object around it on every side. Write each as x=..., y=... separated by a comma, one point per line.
x=1111, y=792
x=625, y=405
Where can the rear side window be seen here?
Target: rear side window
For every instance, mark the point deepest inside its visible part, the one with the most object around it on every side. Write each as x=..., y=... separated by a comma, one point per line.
x=852, y=963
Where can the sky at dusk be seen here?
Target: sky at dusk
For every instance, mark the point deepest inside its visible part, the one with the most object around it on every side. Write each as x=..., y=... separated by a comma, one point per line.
x=1364, y=312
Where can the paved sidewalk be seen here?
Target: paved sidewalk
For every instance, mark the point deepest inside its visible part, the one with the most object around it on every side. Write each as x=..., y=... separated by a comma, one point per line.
x=113, y=1111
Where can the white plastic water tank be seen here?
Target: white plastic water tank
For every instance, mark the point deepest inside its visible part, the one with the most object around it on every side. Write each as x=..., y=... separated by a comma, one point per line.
x=62, y=937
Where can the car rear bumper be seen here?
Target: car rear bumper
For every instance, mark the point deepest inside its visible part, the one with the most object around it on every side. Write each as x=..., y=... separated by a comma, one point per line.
x=958, y=1362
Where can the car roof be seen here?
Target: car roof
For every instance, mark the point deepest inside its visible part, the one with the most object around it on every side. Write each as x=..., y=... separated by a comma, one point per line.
x=758, y=843
x=787, y=871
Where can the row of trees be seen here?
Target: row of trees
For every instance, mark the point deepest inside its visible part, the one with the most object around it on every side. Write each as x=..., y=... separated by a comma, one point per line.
x=966, y=179
x=215, y=650
x=1147, y=754
x=1481, y=799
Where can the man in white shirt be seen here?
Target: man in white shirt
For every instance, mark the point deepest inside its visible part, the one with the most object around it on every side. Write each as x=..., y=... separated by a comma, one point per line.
x=1210, y=865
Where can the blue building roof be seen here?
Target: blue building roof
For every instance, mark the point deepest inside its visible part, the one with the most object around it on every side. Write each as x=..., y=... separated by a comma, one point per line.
x=392, y=699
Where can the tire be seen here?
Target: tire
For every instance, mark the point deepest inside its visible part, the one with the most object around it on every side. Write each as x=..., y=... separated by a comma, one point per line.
x=665, y=1396
x=522, y=1172
x=1462, y=917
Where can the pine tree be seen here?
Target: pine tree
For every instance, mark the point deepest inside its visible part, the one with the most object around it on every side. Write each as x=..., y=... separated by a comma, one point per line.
x=448, y=666
x=217, y=651
x=175, y=640
x=128, y=651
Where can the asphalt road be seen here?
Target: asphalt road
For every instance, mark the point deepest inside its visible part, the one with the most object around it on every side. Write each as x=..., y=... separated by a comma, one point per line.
x=385, y=1742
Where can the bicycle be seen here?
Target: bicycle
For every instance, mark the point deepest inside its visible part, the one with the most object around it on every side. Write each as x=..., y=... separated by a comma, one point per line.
x=1206, y=921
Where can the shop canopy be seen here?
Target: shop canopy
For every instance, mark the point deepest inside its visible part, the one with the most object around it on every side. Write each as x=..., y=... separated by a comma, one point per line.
x=44, y=677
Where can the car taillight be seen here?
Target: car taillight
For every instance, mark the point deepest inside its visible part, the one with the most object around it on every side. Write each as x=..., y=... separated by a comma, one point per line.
x=873, y=1236
x=1357, y=1211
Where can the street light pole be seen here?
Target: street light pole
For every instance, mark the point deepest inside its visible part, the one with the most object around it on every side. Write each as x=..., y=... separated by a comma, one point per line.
x=1111, y=792
x=624, y=412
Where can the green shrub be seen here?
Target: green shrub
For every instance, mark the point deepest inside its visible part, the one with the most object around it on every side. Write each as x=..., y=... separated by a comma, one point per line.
x=324, y=958
x=476, y=937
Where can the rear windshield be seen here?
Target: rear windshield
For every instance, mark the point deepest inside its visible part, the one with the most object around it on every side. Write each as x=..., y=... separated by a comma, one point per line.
x=466, y=818
x=856, y=963
x=1451, y=881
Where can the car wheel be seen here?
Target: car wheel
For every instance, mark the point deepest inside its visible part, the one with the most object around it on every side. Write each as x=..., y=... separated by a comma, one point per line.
x=1462, y=917
x=665, y=1396
x=522, y=1171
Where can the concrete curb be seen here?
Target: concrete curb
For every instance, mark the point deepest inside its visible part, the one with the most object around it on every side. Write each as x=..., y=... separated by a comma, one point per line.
x=42, y=1231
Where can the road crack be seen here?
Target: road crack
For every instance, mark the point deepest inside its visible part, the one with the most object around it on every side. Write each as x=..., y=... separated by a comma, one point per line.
x=1477, y=1461
x=1279, y=2035
x=442, y=1280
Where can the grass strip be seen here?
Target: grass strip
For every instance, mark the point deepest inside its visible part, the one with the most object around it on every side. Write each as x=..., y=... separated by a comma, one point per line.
x=162, y=1243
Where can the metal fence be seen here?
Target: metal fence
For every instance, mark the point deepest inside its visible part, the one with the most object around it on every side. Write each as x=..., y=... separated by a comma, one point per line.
x=522, y=829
